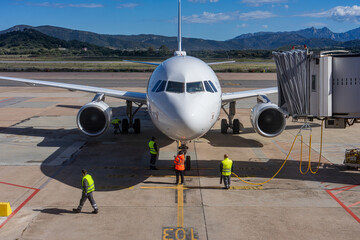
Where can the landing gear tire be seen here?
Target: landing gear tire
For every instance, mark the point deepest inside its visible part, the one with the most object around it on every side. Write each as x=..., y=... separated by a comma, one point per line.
x=137, y=125
x=188, y=163
x=224, y=126
x=125, y=126
x=236, y=126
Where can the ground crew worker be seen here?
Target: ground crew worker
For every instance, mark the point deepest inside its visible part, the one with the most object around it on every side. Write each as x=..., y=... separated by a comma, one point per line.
x=226, y=167
x=88, y=187
x=153, y=153
x=179, y=167
x=116, y=123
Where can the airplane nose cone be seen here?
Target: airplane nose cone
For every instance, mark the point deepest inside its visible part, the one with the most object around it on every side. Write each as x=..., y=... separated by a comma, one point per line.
x=194, y=118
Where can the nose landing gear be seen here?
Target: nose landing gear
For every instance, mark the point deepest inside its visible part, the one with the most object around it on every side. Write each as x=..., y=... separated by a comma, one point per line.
x=131, y=123
x=184, y=148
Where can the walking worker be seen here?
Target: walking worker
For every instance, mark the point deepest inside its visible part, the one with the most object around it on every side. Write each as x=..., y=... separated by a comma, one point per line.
x=226, y=167
x=179, y=167
x=154, y=152
x=116, y=123
x=88, y=187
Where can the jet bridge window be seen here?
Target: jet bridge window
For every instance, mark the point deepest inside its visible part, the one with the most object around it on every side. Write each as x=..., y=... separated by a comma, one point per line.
x=176, y=87
x=208, y=87
x=161, y=87
x=193, y=87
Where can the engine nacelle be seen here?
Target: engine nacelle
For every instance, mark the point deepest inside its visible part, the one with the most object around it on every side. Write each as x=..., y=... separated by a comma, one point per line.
x=94, y=118
x=267, y=119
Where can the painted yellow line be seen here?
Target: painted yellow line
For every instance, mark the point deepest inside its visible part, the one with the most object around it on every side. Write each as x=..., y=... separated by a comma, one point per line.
x=114, y=187
x=180, y=217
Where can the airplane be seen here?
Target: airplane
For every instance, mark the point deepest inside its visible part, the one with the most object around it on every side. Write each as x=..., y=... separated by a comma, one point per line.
x=183, y=99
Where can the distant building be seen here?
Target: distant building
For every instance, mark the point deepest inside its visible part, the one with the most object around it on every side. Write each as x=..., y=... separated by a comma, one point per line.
x=62, y=49
x=84, y=49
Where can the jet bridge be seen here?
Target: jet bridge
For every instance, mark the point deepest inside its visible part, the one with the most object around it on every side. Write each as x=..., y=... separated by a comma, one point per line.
x=323, y=85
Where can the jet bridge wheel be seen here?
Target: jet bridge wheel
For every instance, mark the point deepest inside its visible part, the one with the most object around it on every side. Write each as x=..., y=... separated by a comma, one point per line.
x=236, y=126
x=188, y=163
x=137, y=125
x=224, y=126
x=125, y=126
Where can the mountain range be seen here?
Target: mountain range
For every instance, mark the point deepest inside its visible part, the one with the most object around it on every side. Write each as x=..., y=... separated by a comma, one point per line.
x=312, y=37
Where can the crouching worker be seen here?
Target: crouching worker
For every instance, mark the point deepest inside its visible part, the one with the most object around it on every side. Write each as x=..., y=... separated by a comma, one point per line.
x=116, y=124
x=88, y=187
x=179, y=167
x=226, y=167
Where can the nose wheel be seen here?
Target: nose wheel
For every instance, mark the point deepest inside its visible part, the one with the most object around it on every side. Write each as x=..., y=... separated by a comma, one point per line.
x=184, y=149
x=232, y=123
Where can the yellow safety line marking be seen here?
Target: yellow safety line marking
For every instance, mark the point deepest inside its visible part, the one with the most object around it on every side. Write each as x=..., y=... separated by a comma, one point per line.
x=180, y=217
x=114, y=187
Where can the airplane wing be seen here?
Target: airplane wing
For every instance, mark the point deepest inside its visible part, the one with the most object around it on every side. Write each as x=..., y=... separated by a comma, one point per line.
x=232, y=96
x=148, y=63
x=131, y=96
x=215, y=63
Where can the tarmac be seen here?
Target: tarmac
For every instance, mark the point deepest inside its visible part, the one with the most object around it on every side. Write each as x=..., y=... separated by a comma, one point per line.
x=42, y=154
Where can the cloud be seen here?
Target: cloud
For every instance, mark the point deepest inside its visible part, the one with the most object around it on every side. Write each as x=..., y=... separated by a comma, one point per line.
x=128, y=5
x=207, y=17
x=256, y=15
x=258, y=3
x=65, y=5
x=339, y=14
x=203, y=1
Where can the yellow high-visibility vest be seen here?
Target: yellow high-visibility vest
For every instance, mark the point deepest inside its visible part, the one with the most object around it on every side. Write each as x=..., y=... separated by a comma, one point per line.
x=152, y=148
x=91, y=185
x=115, y=121
x=227, y=165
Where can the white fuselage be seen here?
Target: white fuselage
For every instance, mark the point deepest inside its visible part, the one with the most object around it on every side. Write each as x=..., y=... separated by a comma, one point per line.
x=180, y=102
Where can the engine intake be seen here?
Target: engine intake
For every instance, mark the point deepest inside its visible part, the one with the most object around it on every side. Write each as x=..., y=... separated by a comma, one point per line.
x=267, y=119
x=94, y=118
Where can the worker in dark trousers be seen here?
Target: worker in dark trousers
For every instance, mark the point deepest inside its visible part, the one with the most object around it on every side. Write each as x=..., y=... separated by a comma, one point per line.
x=226, y=167
x=154, y=152
x=179, y=167
x=116, y=124
x=88, y=187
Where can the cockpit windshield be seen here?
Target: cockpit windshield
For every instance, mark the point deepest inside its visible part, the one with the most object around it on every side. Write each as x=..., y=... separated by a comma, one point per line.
x=176, y=87
x=193, y=87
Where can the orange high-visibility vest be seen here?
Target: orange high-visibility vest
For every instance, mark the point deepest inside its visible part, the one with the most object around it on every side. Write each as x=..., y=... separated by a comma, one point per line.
x=179, y=162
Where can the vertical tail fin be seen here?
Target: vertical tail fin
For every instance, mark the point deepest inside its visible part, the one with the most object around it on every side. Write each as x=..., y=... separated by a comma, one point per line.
x=179, y=52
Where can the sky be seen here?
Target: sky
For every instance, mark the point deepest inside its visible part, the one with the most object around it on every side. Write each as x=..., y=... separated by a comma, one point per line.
x=207, y=19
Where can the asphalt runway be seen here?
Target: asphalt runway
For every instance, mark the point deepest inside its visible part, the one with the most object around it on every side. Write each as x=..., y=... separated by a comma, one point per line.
x=42, y=154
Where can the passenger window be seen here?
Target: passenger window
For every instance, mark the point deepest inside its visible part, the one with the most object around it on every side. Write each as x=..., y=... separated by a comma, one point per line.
x=176, y=87
x=194, y=87
x=156, y=86
x=161, y=88
x=208, y=87
x=213, y=86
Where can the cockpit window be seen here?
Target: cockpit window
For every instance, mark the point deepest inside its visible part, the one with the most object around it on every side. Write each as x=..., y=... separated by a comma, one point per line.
x=192, y=87
x=176, y=87
x=213, y=86
x=161, y=88
x=208, y=87
x=156, y=86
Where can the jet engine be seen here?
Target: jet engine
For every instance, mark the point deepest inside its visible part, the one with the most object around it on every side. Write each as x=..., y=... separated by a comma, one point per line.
x=267, y=119
x=94, y=118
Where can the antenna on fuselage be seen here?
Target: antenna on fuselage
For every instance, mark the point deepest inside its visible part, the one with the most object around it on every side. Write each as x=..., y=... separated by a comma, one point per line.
x=179, y=52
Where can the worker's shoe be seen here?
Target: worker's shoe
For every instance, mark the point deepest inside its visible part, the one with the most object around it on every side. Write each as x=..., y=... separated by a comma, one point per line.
x=95, y=211
x=76, y=210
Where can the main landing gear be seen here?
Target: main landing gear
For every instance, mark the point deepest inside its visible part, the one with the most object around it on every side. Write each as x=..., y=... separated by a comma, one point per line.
x=131, y=122
x=184, y=148
x=234, y=124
